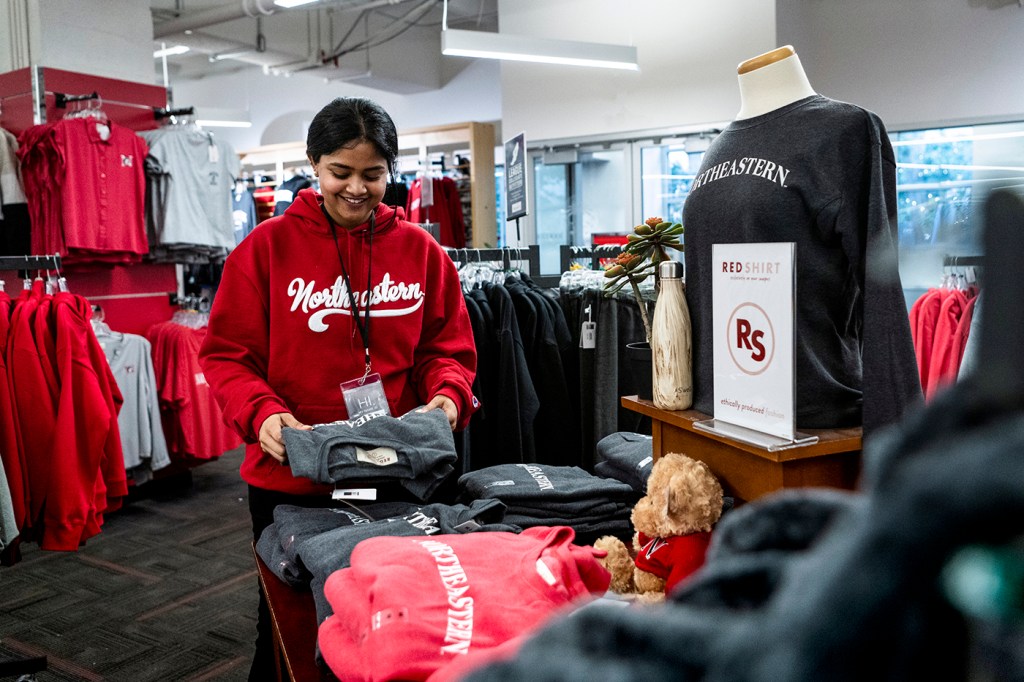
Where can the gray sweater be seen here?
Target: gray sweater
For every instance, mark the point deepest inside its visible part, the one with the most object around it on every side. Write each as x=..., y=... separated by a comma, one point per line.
x=416, y=451
x=820, y=173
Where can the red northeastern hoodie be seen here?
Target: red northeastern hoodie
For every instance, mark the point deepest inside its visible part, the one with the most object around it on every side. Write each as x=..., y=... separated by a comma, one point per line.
x=282, y=336
x=407, y=606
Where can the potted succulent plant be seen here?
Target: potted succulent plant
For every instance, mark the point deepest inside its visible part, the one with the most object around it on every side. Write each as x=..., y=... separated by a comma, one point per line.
x=647, y=246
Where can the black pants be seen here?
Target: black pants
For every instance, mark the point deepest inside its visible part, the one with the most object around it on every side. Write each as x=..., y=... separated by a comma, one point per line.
x=261, y=507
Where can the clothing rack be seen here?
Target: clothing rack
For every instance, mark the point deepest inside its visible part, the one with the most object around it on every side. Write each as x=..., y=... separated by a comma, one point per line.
x=505, y=256
x=25, y=263
x=962, y=261
x=568, y=253
x=61, y=100
x=159, y=112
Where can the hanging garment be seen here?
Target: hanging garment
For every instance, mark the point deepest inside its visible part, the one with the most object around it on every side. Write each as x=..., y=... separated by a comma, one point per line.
x=190, y=174
x=243, y=213
x=504, y=432
x=940, y=320
x=446, y=209
x=193, y=423
x=605, y=372
x=142, y=435
x=285, y=194
x=86, y=184
x=555, y=436
x=15, y=228
x=64, y=403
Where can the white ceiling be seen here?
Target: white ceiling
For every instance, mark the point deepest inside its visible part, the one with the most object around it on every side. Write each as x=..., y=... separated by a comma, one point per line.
x=391, y=45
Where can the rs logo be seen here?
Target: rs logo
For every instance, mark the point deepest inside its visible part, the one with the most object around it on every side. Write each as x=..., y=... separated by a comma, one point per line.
x=751, y=338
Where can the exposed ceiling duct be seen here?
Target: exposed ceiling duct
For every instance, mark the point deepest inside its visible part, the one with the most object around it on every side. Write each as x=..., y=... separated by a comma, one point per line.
x=272, y=61
x=240, y=9
x=303, y=40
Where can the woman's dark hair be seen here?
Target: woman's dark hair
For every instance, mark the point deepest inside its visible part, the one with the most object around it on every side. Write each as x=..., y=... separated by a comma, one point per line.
x=349, y=120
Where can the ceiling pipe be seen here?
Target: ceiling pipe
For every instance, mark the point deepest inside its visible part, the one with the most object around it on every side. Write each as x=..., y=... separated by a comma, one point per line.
x=217, y=15
x=250, y=8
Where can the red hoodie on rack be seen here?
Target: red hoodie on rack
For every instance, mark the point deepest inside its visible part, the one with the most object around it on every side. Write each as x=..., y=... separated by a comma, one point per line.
x=282, y=338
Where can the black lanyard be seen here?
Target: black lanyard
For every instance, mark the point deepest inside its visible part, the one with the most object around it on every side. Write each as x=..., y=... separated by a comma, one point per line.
x=362, y=325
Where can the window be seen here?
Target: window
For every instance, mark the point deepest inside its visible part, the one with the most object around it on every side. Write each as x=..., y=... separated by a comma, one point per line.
x=666, y=172
x=943, y=175
x=942, y=178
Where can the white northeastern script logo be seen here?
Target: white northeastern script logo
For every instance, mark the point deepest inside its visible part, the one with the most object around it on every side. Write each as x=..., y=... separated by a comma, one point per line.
x=334, y=300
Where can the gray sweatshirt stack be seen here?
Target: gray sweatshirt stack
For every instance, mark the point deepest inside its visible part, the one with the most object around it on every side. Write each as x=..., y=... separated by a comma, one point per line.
x=325, y=553
x=279, y=544
x=544, y=495
x=626, y=457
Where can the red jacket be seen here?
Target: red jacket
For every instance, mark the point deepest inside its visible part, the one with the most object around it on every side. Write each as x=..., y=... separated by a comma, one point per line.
x=34, y=406
x=88, y=475
x=281, y=337
x=10, y=439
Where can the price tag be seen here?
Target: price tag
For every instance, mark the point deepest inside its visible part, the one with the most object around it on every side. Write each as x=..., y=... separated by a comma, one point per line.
x=588, y=335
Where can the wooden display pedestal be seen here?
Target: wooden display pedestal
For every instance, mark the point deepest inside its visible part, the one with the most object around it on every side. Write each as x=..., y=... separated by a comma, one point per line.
x=293, y=619
x=748, y=472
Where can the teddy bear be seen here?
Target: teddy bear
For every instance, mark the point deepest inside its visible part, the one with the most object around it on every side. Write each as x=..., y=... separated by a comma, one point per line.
x=673, y=523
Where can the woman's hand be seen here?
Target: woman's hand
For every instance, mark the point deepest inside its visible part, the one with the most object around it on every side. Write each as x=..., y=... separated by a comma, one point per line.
x=271, y=441
x=448, y=405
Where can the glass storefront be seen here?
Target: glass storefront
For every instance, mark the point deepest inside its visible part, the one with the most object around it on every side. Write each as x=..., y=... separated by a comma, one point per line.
x=581, y=192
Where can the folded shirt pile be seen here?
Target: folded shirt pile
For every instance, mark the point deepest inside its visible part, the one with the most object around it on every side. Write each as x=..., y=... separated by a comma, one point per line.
x=627, y=457
x=323, y=553
x=409, y=606
x=415, y=451
x=279, y=543
x=544, y=495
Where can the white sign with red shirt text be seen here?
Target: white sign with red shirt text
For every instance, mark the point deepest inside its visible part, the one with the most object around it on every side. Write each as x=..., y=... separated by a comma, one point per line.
x=753, y=299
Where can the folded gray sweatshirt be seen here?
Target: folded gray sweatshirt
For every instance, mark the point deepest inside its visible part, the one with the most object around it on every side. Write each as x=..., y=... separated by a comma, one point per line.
x=416, y=451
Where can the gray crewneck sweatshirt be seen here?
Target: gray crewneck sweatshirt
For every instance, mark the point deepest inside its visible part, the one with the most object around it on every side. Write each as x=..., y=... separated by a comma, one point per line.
x=416, y=450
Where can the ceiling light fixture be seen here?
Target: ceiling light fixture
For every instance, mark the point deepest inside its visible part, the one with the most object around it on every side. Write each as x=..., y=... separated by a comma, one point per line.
x=288, y=4
x=483, y=45
x=170, y=51
x=458, y=43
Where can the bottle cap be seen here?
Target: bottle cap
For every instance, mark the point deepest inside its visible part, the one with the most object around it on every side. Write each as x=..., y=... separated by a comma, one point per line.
x=670, y=269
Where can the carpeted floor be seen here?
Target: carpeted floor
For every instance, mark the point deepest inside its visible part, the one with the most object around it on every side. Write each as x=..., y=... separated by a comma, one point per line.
x=168, y=590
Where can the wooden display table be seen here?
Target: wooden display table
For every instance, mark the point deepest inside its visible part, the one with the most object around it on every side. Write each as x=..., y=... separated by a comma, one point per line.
x=746, y=471
x=293, y=617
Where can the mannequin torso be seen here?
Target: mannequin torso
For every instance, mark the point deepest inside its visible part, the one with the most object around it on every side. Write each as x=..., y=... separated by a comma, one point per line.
x=771, y=80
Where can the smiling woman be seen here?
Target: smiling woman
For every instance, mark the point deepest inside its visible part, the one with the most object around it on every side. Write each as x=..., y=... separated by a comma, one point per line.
x=343, y=278
x=352, y=181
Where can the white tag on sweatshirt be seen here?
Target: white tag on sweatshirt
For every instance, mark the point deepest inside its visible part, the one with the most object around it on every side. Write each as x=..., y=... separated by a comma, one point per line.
x=382, y=456
x=545, y=573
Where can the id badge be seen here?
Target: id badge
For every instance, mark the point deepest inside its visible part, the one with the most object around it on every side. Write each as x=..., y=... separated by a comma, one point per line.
x=365, y=395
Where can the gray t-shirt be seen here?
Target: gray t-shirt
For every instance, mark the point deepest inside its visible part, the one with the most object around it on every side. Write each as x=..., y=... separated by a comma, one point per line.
x=195, y=173
x=142, y=435
x=822, y=174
